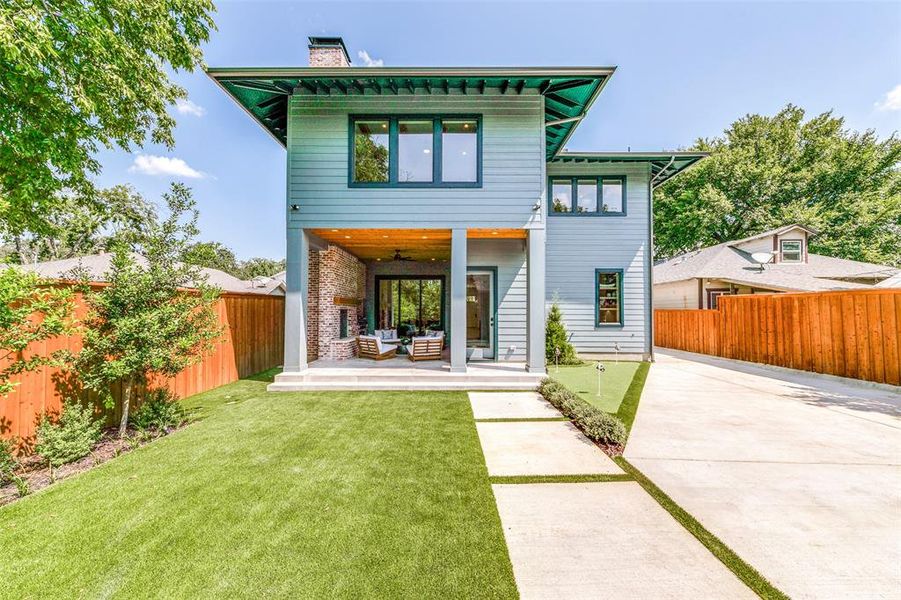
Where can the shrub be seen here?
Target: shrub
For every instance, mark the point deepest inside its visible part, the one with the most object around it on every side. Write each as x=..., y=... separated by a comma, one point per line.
x=556, y=337
x=69, y=437
x=598, y=425
x=160, y=411
x=603, y=427
x=7, y=459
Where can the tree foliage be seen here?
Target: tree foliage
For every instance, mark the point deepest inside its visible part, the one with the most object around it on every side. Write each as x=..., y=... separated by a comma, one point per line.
x=74, y=228
x=556, y=339
x=81, y=75
x=765, y=172
x=370, y=159
x=144, y=321
x=212, y=255
x=30, y=311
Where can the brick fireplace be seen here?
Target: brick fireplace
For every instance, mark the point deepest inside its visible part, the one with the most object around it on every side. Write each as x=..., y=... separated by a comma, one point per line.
x=335, y=303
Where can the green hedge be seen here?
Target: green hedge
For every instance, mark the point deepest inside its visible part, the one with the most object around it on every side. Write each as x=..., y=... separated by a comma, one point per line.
x=598, y=425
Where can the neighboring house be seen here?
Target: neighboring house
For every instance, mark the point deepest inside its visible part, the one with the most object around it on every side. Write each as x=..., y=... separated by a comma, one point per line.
x=696, y=279
x=441, y=198
x=94, y=267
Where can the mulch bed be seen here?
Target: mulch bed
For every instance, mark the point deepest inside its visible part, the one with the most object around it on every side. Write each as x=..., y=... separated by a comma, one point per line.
x=34, y=470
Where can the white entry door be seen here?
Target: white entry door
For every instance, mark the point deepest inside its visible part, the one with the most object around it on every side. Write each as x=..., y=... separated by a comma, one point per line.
x=480, y=310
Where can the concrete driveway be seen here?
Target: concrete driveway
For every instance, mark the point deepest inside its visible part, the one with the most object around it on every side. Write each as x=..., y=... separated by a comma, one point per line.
x=799, y=475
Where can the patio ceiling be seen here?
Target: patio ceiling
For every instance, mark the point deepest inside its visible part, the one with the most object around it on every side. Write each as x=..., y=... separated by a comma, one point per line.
x=425, y=245
x=264, y=92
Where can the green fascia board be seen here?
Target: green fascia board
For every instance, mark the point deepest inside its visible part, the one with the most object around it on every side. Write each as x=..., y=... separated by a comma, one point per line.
x=664, y=165
x=264, y=92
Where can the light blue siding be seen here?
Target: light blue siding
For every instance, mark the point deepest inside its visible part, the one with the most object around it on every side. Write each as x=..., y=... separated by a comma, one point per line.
x=512, y=149
x=576, y=246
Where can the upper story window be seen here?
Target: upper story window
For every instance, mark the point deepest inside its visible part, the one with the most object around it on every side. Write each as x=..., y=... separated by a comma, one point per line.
x=790, y=251
x=588, y=196
x=416, y=151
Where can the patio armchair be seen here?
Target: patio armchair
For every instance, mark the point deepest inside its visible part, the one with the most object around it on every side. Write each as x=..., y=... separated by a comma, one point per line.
x=428, y=347
x=370, y=346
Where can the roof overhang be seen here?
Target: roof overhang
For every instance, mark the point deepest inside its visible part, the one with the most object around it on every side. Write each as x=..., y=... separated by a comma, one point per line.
x=664, y=165
x=568, y=91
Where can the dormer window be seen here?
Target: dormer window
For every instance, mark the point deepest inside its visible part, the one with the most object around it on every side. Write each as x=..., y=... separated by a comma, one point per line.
x=416, y=151
x=790, y=251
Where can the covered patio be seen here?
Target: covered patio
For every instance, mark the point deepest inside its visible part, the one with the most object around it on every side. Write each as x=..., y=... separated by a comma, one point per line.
x=471, y=286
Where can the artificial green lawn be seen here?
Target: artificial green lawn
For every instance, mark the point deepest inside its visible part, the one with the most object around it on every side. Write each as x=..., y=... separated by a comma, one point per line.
x=333, y=494
x=583, y=380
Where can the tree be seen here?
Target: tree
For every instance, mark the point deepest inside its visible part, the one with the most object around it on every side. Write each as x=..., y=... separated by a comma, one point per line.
x=145, y=322
x=76, y=229
x=765, y=172
x=212, y=255
x=555, y=338
x=370, y=159
x=259, y=267
x=82, y=75
x=30, y=311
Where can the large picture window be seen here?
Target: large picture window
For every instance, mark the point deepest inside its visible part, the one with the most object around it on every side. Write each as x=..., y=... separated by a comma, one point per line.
x=410, y=304
x=608, y=289
x=588, y=196
x=416, y=151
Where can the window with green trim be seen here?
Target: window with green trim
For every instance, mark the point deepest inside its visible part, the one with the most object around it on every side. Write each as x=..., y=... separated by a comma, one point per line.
x=588, y=196
x=608, y=290
x=415, y=151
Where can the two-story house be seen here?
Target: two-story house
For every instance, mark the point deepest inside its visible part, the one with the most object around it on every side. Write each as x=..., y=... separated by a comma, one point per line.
x=441, y=199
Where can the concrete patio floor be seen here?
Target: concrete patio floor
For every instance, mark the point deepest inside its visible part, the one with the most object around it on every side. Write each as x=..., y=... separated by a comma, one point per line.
x=799, y=475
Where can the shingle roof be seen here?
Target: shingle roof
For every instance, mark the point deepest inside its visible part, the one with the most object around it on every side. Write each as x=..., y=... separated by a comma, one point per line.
x=725, y=261
x=95, y=266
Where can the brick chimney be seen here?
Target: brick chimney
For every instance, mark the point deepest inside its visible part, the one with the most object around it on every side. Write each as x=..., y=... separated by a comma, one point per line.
x=328, y=52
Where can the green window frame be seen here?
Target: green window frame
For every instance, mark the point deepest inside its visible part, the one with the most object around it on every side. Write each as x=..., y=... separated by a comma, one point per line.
x=572, y=210
x=603, y=297
x=393, y=159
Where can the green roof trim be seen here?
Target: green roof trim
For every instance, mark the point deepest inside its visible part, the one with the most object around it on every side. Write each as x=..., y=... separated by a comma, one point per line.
x=664, y=165
x=568, y=91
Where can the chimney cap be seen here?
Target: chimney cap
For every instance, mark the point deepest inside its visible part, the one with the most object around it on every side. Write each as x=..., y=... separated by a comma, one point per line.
x=329, y=42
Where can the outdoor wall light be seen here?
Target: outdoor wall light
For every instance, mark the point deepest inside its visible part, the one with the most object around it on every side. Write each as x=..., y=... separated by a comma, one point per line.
x=295, y=207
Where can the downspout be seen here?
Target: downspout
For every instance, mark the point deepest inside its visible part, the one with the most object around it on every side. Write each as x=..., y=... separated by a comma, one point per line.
x=651, y=254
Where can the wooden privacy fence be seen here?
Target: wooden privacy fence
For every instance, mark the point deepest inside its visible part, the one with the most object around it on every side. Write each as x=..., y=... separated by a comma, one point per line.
x=847, y=333
x=252, y=341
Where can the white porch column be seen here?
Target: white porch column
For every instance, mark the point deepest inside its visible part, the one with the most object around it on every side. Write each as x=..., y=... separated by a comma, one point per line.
x=535, y=362
x=458, y=301
x=296, y=287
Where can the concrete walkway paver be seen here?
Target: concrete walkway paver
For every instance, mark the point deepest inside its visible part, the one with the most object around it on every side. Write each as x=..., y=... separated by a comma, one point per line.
x=800, y=476
x=541, y=448
x=511, y=405
x=604, y=540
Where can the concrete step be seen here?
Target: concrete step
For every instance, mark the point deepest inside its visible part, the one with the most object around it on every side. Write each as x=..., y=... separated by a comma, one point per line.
x=313, y=386
x=405, y=378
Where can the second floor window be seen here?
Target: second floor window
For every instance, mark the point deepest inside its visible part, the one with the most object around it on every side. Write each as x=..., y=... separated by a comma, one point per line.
x=588, y=196
x=790, y=251
x=416, y=151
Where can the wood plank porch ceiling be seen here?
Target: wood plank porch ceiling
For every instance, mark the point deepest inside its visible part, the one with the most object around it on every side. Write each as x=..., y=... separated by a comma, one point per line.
x=417, y=244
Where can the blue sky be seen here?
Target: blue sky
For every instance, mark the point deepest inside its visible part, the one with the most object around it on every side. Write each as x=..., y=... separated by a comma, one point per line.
x=685, y=70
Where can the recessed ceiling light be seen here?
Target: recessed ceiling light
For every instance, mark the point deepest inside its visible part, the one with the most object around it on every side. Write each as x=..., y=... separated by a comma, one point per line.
x=384, y=236
x=426, y=151
x=465, y=125
x=378, y=260
x=425, y=237
x=335, y=230
x=347, y=237
x=493, y=233
x=464, y=153
x=433, y=259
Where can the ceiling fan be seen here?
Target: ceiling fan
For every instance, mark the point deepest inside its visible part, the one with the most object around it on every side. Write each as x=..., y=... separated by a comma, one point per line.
x=397, y=256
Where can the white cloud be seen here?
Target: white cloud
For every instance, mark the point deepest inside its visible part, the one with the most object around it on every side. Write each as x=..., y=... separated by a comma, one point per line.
x=148, y=164
x=186, y=107
x=369, y=61
x=892, y=99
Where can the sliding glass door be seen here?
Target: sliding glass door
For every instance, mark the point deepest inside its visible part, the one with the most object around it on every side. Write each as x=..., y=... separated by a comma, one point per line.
x=410, y=304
